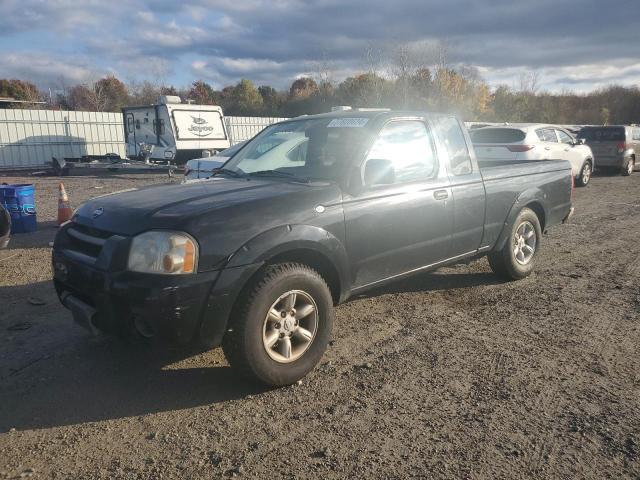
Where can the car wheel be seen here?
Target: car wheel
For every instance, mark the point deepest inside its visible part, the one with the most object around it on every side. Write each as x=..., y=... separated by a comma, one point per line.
x=281, y=325
x=585, y=175
x=516, y=259
x=628, y=168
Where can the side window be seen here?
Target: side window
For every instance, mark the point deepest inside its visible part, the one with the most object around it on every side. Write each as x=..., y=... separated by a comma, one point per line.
x=137, y=124
x=547, y=135
x=403, y=152
x=450, y=133
x=158, y=127
x=564, y=137
x=130, y=124
x=636, y=134
x=298, y=154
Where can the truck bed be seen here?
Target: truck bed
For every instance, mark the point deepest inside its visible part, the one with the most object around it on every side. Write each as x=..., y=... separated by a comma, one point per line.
x=546, y=181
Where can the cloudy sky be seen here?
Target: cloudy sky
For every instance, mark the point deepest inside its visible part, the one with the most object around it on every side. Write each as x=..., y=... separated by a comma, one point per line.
x=573, y=44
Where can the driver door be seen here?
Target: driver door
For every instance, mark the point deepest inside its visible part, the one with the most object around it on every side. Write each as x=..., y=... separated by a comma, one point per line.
x=402, y=218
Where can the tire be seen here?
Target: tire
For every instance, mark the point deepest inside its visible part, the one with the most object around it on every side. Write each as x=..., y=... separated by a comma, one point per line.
x=303, y=337
x=585, y=174
x=628, y=167
x=504, y=262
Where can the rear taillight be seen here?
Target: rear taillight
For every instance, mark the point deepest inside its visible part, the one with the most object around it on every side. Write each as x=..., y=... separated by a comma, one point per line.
x=520, y=148
x=622, y=147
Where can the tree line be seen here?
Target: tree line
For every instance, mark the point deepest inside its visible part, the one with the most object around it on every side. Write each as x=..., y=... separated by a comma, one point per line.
x=437, y=88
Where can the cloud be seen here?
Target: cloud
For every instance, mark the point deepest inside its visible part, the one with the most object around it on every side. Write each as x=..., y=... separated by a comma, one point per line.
x=45, y=70
x=573, y=43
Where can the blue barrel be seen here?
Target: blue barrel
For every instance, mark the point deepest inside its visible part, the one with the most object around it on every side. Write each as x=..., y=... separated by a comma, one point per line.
x=20, y=202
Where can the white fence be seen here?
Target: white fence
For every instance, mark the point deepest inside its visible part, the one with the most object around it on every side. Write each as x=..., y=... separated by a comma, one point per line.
x=29, y=138
x=244, y=128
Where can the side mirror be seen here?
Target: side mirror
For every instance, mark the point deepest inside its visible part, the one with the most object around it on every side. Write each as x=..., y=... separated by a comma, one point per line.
x=580, y=141
x=379, y=171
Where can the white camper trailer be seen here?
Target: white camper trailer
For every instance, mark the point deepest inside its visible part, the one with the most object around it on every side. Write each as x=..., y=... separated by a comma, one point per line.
x=174, y=131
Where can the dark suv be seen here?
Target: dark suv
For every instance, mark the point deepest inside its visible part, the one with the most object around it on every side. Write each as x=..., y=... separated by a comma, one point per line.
x=614, y=147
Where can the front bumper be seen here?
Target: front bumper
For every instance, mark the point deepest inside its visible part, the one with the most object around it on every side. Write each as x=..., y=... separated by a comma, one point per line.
x=167, y=306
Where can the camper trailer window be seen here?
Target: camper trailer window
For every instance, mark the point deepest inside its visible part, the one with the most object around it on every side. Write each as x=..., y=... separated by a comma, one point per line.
x=158, y=127
x=137, y=124
x=130, y=124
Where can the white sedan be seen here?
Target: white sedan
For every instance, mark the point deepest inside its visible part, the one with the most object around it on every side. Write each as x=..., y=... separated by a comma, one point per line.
x=534, y=142
x=202, y=168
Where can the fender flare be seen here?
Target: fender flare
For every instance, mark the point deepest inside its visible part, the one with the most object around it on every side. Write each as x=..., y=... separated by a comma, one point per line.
x=531, y=196
x=250, y=257
x=286, y=238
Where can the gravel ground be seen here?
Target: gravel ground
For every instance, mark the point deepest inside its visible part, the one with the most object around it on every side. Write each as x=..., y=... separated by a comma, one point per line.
x=451, y=374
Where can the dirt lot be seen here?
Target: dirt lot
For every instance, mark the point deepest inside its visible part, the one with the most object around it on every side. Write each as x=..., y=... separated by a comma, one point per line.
x=450, y=375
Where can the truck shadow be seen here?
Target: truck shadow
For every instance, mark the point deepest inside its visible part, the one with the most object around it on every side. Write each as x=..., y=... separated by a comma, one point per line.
x=54, y=374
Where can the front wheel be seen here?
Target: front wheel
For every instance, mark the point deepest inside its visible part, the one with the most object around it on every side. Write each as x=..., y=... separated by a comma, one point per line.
x=281, y=325
x=628, y=168
x=517, y=257
x=585, y=175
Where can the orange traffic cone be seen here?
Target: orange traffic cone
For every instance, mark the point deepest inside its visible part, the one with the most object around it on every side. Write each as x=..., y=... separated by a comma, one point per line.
x=64, y=208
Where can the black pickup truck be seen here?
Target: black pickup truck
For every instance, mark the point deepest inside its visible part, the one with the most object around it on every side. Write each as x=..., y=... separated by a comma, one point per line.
x=310, y=212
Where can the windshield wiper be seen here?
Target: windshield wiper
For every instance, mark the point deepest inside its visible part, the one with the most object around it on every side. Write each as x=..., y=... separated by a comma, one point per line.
x=226, y=171
x=279, y=173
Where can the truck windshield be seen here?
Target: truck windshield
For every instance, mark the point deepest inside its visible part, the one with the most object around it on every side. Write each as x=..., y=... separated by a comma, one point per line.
x=318, y=148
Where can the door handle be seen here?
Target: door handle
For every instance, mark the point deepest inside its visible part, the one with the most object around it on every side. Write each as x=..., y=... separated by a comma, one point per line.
x=547, y=148
x=440, y=194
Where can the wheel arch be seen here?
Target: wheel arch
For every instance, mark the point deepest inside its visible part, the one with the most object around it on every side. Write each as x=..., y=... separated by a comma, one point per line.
x=526, y=200
x=309, y=245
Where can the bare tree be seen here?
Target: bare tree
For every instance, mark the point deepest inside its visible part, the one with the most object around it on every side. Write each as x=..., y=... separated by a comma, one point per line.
x=529, y=82
x=374, y=58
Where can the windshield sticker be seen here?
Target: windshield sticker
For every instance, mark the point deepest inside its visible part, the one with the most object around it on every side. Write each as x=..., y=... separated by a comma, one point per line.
x=348, y=123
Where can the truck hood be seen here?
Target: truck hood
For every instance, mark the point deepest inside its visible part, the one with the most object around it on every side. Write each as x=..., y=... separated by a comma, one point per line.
x=180, y=206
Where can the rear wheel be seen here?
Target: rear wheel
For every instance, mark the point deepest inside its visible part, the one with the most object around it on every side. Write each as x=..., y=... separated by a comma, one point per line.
x=281, y=326
x=516, y=259
x=585, y=175
x=628, y=167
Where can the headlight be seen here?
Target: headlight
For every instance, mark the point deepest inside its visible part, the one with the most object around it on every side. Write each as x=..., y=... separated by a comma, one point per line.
x=169, y=154
x=162, y=252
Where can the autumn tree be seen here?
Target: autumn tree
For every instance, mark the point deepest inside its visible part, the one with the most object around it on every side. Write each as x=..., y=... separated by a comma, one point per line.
x=114, y=92
x=202, y=93
x=19, y=90
x=245, y=99
x=271, y=100
x=303, y=87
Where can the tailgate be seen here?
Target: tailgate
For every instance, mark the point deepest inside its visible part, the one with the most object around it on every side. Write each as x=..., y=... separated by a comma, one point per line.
x=603, y=149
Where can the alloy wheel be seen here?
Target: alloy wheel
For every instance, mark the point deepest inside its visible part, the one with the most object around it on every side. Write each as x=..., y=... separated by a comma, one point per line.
x=586, y=173
x=290, y=326
x=524, y=243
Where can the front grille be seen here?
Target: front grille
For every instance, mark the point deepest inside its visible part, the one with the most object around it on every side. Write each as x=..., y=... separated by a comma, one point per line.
x=87, y=241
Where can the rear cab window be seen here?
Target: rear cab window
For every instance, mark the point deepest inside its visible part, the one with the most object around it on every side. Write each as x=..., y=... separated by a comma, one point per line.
x=497, y=135
x=451, y=135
